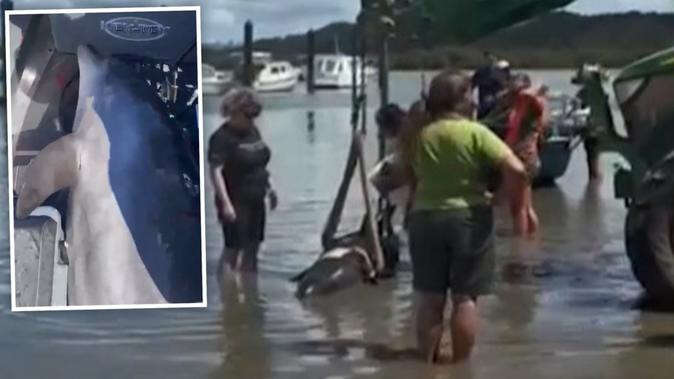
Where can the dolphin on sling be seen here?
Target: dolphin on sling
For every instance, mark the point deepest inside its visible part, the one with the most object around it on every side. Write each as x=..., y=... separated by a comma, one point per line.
x=133, y=225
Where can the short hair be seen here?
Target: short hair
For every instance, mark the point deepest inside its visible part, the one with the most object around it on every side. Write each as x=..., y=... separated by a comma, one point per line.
x=241, y=99
x=390, y=119
x=447, y=92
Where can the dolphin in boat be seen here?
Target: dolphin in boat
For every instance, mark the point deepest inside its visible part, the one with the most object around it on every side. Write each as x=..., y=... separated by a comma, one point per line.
x=133, y=224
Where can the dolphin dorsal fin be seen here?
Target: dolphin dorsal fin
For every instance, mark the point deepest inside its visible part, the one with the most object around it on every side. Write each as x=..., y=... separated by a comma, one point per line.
x=54, y=168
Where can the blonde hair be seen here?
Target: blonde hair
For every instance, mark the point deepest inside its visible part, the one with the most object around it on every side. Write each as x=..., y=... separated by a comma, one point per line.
x=243, y=100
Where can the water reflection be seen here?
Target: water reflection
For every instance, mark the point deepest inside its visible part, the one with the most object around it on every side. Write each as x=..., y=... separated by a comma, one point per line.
x=245, y=350
x=362, y=321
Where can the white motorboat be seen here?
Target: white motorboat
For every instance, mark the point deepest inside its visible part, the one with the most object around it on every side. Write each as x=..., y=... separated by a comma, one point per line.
x=371, y=70
x=276, y=76
x=213, y=82
x=336, y=71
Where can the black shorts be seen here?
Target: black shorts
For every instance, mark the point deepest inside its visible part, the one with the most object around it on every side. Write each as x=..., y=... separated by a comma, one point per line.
x=453, y=250
x=591, y=147
x=248, y=228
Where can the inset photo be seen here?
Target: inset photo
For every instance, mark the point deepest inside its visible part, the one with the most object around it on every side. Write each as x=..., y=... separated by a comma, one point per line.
x=105, y=158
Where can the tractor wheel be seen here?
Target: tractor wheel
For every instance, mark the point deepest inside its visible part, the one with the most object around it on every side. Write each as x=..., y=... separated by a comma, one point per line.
x=649, y=236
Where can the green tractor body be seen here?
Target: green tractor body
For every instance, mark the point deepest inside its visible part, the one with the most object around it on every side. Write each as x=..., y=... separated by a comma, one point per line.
x=644, y=91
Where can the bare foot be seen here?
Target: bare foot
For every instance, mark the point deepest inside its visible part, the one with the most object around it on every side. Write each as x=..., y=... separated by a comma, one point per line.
x=443, y=359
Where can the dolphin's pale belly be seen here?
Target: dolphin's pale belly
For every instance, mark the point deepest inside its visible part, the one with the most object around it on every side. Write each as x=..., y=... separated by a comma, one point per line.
x=327, y=276
x=105, y=267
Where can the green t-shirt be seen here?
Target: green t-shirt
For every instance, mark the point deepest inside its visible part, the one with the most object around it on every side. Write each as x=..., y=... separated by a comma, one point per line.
x=453, y=162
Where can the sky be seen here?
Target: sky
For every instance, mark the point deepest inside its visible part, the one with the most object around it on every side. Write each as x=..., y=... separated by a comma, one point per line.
x=222, y=20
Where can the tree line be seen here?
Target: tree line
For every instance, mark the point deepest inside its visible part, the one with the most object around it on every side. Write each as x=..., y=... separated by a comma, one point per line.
x=554, y=40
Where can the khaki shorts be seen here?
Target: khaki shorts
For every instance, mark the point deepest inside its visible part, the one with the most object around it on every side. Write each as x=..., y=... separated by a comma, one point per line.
x=453, y=249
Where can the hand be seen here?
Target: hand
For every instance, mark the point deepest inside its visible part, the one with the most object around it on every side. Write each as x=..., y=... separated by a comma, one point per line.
x=228, y=213
x=273, y=199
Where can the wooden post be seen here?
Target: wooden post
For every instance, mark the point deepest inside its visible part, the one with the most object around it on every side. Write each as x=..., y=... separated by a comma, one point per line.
x=311, y=52
x=248, y=70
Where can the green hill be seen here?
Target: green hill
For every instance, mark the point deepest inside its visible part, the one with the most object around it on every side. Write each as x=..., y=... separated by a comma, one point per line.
x=557, y=39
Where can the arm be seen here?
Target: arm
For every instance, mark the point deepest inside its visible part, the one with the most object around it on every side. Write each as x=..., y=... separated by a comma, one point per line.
x=542, y=114
x=221, y=191
x=503, y=159
x=271, y=194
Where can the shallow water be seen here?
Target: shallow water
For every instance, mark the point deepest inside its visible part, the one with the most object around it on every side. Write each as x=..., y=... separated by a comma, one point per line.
x=568, y=314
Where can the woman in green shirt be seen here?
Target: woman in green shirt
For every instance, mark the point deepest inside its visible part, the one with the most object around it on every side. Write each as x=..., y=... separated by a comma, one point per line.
x=453, y=161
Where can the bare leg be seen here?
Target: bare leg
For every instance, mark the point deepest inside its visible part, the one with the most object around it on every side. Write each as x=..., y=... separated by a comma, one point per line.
x=430, y=313
x=463, y=324
x=230, y=257
x=593, y=165
x=520, y=216
x=518, y=209
x=532, y=217
x=249, y=258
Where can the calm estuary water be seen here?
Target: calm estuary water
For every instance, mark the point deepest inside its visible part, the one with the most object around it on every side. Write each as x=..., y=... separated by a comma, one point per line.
x=568, y=314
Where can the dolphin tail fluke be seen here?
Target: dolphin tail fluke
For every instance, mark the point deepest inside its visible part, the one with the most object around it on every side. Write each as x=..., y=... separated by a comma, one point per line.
x=53, y=169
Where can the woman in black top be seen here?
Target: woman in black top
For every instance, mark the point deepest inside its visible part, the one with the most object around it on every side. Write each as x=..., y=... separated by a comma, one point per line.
x=238, y=157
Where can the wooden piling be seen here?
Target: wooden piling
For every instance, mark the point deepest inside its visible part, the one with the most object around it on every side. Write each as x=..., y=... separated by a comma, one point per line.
x=311, y=52
x=248, y=70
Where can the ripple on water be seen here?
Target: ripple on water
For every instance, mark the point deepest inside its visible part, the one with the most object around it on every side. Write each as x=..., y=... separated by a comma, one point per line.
x=315, y=360
x=365, y=370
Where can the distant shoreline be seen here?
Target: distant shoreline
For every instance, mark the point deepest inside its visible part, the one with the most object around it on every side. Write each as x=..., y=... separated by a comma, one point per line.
x=552, y=41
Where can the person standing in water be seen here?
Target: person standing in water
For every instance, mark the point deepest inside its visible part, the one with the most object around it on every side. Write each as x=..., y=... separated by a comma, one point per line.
x=238, y=158
x=524, y=130
x=490, y=80
x=451, y=159
x=590, y=138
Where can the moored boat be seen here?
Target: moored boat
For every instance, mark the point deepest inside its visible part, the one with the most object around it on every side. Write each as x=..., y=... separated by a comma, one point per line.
x=335, y=71
x=276, y=76
x=214, y=82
